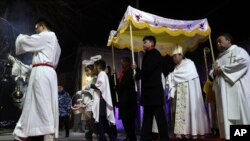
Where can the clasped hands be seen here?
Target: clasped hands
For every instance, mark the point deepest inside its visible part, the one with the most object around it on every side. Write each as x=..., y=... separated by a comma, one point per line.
x=217, y=69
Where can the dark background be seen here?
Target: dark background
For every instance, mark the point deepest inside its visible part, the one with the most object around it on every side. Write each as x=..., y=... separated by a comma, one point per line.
x=89, y=21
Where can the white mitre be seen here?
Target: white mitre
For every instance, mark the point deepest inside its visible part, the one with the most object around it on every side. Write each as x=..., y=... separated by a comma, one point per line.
x=177, y=50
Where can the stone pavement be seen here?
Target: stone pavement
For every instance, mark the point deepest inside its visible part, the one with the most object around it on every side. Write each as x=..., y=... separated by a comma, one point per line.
x=77, y=136
x=74, y=136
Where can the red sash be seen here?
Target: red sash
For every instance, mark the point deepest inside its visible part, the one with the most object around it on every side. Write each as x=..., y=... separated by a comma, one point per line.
x=36, y=65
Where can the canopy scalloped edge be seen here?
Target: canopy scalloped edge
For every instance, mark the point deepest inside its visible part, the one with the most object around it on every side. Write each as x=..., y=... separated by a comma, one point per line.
x=197, y=30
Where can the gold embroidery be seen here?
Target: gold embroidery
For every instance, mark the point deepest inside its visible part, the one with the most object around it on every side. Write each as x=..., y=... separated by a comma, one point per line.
x=180, y=108
x=232, y=58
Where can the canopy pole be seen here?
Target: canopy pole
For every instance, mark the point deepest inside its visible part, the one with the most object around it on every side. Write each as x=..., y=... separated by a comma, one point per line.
x=113, y=63
x=211, y=48
x=132, y=51
x=206, y=50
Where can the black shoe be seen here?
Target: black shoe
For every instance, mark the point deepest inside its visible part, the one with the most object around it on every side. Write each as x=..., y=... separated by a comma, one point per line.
x=127, y=139
x=37, y=138
x=215, y=131
x=88, y=135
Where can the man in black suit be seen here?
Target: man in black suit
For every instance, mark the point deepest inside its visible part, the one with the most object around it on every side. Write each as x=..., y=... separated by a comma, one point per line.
x=127, y=99
x=152, y=93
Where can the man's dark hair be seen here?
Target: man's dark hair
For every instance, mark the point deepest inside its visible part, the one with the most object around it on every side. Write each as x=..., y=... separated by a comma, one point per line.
x=150, y=38
x=91, y=67
x=45, y=22
x=227, y=36
x=126, y=59
x=101, y=64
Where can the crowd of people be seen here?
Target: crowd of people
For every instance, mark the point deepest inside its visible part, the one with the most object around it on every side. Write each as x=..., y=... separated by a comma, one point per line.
x=47, y=106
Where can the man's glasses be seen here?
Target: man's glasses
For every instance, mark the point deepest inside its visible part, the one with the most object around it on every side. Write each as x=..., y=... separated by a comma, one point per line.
x=37, y=26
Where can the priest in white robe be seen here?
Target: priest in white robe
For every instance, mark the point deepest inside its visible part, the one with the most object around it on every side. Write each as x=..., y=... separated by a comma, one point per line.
x=102, y=107
x=231, y=76
x=184, y=87
x=40, y=110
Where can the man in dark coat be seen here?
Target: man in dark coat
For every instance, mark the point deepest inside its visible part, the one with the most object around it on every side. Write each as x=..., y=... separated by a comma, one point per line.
x=152, y=93
x=112, y=78
x=127, y=99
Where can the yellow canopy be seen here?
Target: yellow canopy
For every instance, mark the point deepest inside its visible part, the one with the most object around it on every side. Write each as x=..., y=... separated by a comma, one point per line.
x=168, y=32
